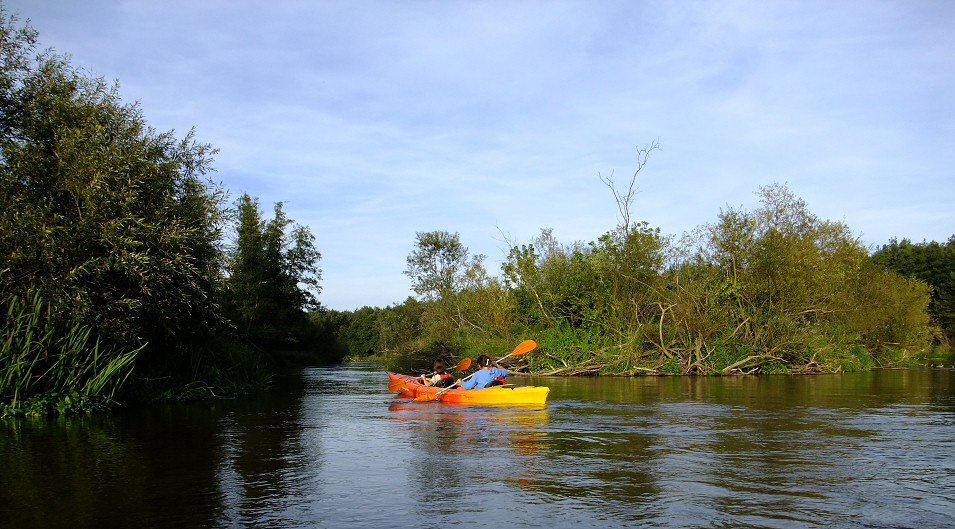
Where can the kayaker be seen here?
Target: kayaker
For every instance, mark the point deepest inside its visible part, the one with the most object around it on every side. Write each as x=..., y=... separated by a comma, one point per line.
x=485, y=376
x=439, y=377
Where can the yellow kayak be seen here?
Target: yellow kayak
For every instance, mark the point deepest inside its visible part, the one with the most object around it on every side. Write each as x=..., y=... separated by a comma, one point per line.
x=506, y=394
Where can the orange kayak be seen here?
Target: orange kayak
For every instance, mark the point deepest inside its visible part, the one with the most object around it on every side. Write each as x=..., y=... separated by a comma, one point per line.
x=506, y=394
x=410, y=387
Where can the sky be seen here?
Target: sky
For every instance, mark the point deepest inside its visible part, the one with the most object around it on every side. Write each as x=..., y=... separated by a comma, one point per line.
x=375, y=120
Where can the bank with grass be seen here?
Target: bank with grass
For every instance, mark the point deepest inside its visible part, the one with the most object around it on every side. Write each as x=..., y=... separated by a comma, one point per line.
x=765, y=291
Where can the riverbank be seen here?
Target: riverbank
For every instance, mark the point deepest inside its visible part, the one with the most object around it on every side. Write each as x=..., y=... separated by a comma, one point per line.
x=616, y=363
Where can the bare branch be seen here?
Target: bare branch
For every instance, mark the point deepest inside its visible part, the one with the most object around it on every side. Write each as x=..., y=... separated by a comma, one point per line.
x=625, y=199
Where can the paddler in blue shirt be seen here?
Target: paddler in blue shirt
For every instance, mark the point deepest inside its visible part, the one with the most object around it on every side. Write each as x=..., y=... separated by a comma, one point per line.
x=486, y=375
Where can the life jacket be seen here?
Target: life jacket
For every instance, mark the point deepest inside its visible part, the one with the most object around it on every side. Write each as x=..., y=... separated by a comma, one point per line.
x=446, y=380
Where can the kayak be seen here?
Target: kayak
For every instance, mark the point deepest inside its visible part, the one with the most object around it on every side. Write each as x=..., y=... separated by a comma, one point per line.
x=410, y=386
x=506, y=394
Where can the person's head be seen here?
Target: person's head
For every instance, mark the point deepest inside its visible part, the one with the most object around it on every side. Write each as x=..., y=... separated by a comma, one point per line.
x=439, y=365
x=484, y=362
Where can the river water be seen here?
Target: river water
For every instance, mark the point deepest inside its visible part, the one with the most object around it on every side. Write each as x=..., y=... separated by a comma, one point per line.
x=330, y=447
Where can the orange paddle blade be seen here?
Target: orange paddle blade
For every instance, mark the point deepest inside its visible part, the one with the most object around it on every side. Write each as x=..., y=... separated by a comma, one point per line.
x=463, y=364
x=524, y=347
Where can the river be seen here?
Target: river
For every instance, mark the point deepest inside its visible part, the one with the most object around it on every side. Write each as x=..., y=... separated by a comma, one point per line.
x=330, y=447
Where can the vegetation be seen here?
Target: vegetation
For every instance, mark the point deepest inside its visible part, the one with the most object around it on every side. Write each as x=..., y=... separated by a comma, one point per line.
x=112, y=261
x=934, y=264
x=45, y=365
x=775, y=290
x=266, y=269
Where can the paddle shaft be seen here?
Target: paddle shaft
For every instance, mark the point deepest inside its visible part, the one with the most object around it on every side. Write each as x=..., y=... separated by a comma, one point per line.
x=460, y=366
x=505, y=357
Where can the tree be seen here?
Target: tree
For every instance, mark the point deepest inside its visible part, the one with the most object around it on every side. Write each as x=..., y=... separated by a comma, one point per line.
x=625, y=199
x=399, y=327
x=796, y=288
x=114, y=223
x=361, y=336
x=931, y=262
x=436, y=265
x=247, y=267
x=273, y=276
x=438, y=271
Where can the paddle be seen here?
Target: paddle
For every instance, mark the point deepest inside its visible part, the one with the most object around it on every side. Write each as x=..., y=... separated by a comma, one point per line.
x=524, y=347
x=394, y=385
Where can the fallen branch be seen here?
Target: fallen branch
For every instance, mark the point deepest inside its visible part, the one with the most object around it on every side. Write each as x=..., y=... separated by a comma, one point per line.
x=730, y=368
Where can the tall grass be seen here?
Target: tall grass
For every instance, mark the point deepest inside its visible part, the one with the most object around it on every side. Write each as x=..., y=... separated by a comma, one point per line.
x=47, y=366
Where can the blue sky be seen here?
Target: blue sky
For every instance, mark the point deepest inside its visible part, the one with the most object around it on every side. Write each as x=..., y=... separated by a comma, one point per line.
x=372, y=120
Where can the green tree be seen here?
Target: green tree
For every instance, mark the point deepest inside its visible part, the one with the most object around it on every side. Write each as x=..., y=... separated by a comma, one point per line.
x=399, y=327
x=555, y=283
x=931, y=262
x=785, y=286
x=436, y=265
x=486, y=305
x=273, y=277
x=628, y=264
x=437, y=268
x=361, y=336
x=113, y=222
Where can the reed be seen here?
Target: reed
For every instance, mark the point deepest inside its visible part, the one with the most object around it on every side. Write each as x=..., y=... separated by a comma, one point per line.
x=41, y=357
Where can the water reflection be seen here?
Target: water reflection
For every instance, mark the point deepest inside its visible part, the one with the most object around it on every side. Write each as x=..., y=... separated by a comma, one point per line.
x=263, y=456
x=458, y=446
x=81, y=472
x=332, y=448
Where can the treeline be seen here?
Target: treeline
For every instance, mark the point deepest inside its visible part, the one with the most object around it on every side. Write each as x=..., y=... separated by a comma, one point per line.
x=123, y=269
x=931, y=262
x=773, y=290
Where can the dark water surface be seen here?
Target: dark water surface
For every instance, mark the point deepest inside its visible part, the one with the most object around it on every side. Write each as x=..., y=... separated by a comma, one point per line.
x=331, y=448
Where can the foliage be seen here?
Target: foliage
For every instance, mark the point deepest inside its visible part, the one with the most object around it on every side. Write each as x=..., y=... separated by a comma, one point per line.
x=46, y=365
x=266, y=267
x=361, y=336
x=399, y=327
x=438, y=268
x=931, y=262
x=774, y=281
x=327, y=324
x=119, y=228
x=774, y=290
x=111, y=220
x=484, y=304
x=436, y=264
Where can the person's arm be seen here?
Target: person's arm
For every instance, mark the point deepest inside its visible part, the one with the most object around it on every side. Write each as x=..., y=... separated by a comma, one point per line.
x=469, y=383
x=479, y=379
x=498, y=372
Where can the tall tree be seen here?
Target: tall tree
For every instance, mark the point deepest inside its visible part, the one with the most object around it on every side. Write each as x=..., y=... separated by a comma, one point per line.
x=436, y=266
x=113, y=222
x=273, y=276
